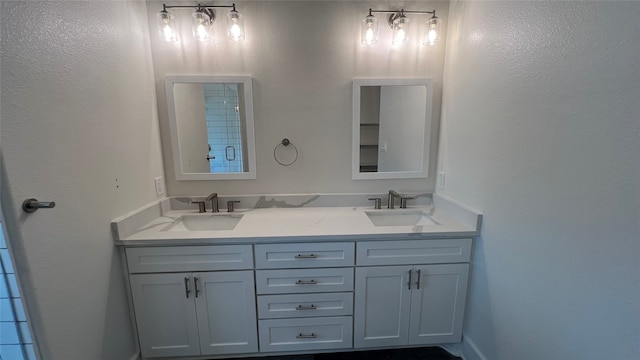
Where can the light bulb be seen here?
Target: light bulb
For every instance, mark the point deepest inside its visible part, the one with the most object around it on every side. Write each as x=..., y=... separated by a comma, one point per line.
x=235, y=25
x=432, y=33
x=369, y=30
x=166, y=30
x=201, y=25
x=400, y=25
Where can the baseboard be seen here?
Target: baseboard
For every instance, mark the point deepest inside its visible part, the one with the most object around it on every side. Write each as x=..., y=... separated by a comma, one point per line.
x=470, y=351
x=453, y=349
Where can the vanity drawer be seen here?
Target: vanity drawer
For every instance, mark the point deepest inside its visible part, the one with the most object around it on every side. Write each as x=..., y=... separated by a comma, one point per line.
x=304, y=281
x=189, y=258
x=413, y=252
x=304, y=305
x=274, y=256
x=305, y=334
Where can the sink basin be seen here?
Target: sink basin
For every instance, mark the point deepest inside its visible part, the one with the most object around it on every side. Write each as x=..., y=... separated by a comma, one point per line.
x=205, y=222
x=400, y=218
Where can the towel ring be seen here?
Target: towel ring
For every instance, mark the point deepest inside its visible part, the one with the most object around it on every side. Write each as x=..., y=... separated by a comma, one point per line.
x=284, y=143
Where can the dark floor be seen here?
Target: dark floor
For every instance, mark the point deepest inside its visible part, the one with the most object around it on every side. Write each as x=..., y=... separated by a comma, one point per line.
x=425, y=353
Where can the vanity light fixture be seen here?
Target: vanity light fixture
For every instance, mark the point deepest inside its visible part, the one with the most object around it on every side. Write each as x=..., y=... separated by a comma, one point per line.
x=399, y=24
x=201, y=21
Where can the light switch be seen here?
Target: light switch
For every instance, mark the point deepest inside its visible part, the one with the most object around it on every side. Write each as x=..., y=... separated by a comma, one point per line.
x=383, y=147
x=159, y=185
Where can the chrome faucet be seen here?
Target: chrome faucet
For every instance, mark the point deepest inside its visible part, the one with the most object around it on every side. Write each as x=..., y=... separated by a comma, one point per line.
x=392, y=195
x=213, y=197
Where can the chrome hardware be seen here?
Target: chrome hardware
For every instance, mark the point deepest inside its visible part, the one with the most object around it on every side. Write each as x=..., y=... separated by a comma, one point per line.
x=210, y=157
x=213, y=197
x=391, y=198
x=233, y=153
x=310, y=307
x=306, y=282
x=186, y=287
x=31, y=205
x=201, y=207
x=195, y=283
x=377, y=203
x=306, y=256
x=409, y=283
x=304, y=336
x=230, y=205
x=403, y=201
x=418, y=280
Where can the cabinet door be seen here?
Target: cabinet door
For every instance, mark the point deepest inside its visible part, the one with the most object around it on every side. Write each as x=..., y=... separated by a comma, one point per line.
x=226, y=312
x=166, y=314
x=437, y=303
x=382, y=305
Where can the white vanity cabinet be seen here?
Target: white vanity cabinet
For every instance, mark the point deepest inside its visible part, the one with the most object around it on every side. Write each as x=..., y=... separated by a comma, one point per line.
x=410, y=292
x=182, y=313
x=305, y=296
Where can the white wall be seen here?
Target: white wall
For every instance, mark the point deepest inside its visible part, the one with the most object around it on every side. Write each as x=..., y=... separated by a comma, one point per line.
x=192, y=131
x=79, y=127
x=541, y=133
x=303, y=56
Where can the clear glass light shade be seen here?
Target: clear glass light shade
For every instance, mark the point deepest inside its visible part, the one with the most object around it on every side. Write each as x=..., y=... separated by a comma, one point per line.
x=400, y=28
x=235, y=26
x=432, y=32
x=369, y=33
x=201, y=26
x=166, y=27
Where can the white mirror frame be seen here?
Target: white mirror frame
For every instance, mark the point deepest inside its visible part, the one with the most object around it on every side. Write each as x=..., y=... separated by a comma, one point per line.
x=246, y=80
x=355, y=162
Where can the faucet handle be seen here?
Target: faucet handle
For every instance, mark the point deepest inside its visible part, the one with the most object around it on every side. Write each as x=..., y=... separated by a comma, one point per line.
x=403, y=201
x=201, y=207
x=230, y=205
x=377, y=203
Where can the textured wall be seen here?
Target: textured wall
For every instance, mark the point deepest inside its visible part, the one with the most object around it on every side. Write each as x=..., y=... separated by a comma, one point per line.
x=541, y=133
x=303, y=56
x=79, y=127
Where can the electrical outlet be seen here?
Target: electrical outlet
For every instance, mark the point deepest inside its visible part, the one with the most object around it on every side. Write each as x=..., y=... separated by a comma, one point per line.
x=159, y=185
x=440, y=180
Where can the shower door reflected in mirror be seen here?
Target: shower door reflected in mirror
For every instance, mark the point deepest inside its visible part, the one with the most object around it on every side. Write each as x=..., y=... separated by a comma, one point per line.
x=211, y=122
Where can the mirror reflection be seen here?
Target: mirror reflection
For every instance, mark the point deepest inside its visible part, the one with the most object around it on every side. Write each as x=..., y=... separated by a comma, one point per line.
x=211, y=127
x=392, y=122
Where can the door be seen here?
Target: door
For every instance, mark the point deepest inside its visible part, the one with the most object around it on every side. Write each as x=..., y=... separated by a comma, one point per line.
x=437, y=303
x=226, y=308
x=382, y=305
x=166, y=314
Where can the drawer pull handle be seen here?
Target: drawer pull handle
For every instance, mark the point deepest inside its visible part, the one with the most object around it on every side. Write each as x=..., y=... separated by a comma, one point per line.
x=306, y=336
x=310, y=307
x=306, y=256
x=306, y=282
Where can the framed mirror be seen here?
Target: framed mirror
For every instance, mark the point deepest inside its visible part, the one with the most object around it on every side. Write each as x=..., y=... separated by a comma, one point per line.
x=391, y=128
x=211, y=126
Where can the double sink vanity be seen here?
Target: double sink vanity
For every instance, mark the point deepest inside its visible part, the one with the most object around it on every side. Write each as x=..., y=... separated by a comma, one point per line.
x=295, y=275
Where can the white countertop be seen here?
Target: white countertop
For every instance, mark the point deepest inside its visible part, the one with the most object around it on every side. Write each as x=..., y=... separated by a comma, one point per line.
x=262, y=225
